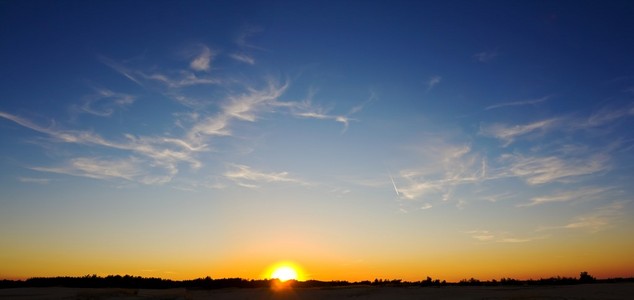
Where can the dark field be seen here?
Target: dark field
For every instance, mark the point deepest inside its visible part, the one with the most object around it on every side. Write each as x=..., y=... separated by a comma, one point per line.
x=606, y=291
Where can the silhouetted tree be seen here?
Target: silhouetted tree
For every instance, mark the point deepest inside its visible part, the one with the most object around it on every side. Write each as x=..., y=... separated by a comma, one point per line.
x=584, y=277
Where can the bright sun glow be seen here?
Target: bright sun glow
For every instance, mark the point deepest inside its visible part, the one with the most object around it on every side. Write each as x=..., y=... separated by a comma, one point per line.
x=284, y=273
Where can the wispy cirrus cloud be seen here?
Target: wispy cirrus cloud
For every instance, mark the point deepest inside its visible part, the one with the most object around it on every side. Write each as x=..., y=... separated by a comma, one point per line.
x=536, y=170
x=34, y=180
x=180, y=79
x=573, y=195
x=202, y=62
x=119, y=68
x=241, y=57
x=173, y=79
x=163, y=152
x=247, y=177
x=196, y=128
x=104, y=102
x=322, y=116
x=246, y=33
x=604, y=116
x=445, y=167
x=601, y=218
x=143, y=145
x=519, y=103
x=131, y=169
x=248, y=105
x=485, y=56
x=508, y=133
x=481, y=235
x=241, y=107
x=500, y=237
x=432, y=82
x=305, y=109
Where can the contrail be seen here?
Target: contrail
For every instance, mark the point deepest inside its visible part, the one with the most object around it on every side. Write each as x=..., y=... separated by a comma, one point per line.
x=394, y=184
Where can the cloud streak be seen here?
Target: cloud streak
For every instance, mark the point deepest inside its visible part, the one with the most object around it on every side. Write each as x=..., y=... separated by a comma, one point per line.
x=105, y=102
x=499, y=237
x=34, y=180
x=131, y=169
x=542, y=170
x=575, y=195
x=448, y=166
x=600, y=219
x=485, y=56
x=164, y=152
x=247, y=177
x=519, y=103
x=508, y=134
x=244, y=58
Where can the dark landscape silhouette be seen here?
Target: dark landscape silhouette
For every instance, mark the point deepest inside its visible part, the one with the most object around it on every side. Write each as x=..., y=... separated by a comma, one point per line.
x=138, y=282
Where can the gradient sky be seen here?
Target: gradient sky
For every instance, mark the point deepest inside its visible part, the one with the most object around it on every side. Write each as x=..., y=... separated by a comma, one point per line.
x=356, y=139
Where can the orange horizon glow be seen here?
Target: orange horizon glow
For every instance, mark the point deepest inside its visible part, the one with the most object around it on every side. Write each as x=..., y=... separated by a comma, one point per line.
x=284, y=271
x=302, y=275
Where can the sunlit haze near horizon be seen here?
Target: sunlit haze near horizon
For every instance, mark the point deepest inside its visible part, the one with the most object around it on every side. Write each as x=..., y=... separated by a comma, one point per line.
x=352, y=139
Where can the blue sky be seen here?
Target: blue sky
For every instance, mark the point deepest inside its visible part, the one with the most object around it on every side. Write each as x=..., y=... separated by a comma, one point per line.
x=419, y=127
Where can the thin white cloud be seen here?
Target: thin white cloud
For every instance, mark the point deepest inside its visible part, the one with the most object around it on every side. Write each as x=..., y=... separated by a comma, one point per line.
x=320, y=116
x=247, y=177
x=426, y=206
x=433, y=81
x=306, y=109
x=202, y=62
x=447, y=166
x=574, y=195
x=500, y=237
x=247, y=106
x=237, y=106
x=599, y=219
x=241, y=107
x=542, y=170
x=120, y=69
x=245, y=34
x=171, y=80
x=34, y=180
x=241, y=57
x=499, y=196
x=168, y=152
x=519, y=103
x=394, y=185
x=181, y=79
x=131, y=169
x=481, y=235
x=516, y=240
x=104, y=102
x=508, y=134
x=485, y=56
x=164, y=152
x=606, y=115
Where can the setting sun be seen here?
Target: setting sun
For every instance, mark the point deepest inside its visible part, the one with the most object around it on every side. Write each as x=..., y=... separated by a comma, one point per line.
x=284, y=273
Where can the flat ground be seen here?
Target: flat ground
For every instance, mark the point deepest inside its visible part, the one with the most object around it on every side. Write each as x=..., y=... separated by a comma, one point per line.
x=605, y=291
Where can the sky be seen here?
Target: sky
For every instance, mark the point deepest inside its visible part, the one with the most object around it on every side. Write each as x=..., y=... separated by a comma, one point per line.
x=354, y=139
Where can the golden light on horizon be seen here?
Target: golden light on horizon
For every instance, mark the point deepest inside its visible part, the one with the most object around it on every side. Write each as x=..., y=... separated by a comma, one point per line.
x=285, y=271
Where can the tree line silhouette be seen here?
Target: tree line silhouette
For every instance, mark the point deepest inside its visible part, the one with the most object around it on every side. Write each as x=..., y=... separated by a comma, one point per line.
x=138, y=282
